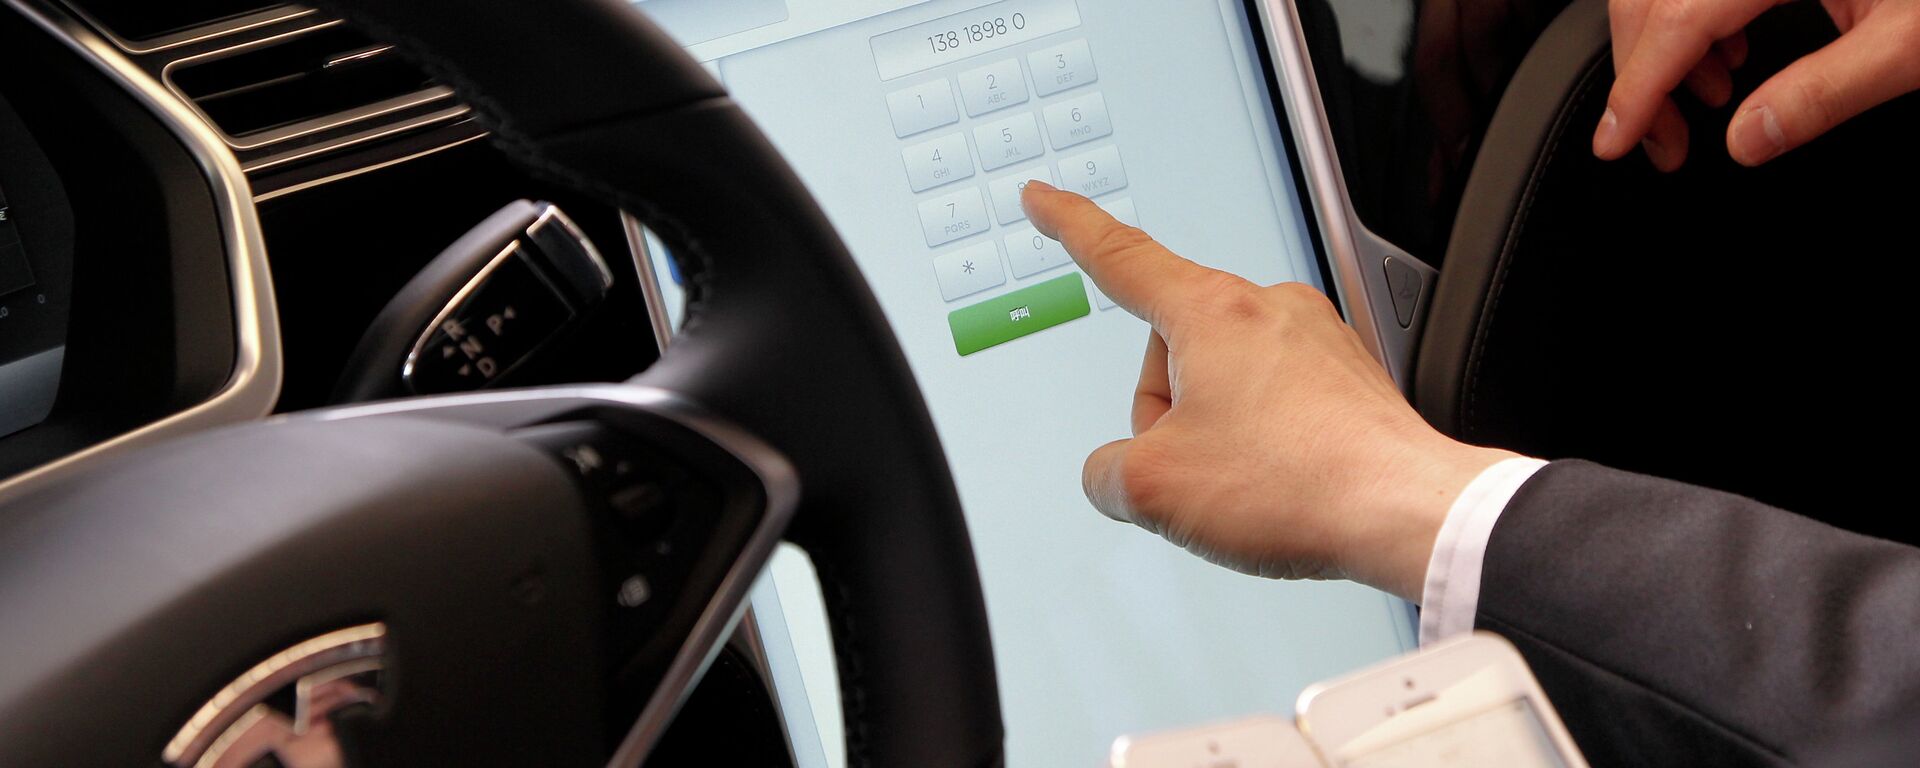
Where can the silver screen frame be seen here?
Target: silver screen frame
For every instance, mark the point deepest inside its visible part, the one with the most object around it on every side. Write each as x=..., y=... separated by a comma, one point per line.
x=1356, y=256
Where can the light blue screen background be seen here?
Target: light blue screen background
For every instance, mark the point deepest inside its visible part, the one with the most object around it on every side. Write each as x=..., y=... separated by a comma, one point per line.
x=1099, y=629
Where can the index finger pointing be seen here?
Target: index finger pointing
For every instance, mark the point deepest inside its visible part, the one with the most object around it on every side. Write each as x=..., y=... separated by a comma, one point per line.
x=1137, y=273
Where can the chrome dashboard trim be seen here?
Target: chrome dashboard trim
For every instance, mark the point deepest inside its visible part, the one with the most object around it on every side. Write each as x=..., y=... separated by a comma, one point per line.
x=1333, y=207
x=252, y=31
x=198, y=34
x=375, y=134
x=725, y=610
x=325, y=180
x=253, y=387
x=305, y=127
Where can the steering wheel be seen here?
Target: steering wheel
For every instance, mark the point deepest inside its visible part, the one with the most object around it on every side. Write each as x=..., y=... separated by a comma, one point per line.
x=531, y=576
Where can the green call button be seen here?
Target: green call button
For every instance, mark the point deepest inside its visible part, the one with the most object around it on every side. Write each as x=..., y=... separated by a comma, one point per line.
x=1024, y=312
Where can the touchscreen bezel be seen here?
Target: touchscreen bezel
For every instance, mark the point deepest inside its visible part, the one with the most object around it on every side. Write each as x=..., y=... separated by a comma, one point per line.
x=1277, y=100
x=1353, y=258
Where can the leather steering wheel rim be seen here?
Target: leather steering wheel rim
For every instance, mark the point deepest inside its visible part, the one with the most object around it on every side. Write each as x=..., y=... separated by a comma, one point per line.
x=783, y=340
x=782, y=337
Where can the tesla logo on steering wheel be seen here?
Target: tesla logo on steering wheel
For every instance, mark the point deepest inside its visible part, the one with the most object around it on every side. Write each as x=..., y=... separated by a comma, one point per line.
x=280, y=711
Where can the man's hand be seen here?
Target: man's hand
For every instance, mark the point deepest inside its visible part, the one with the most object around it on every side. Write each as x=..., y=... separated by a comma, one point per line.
x=1660, y=44
x=1266, y=439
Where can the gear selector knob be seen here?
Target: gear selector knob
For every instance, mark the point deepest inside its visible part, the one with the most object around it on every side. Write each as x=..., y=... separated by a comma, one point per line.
x=484, y=307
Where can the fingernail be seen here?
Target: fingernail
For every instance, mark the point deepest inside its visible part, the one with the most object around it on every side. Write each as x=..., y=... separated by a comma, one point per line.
x=1605, y=137
x=1757, y=137
x=1040, y=185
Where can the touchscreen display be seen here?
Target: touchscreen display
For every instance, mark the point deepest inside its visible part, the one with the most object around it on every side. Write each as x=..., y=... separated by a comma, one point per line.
x=915, y=125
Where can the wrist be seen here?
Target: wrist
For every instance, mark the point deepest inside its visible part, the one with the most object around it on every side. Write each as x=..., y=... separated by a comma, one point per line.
x=1399, y=509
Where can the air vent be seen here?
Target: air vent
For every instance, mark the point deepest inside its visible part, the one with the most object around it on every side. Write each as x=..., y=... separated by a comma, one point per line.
x=293, y=86
x=151, y=19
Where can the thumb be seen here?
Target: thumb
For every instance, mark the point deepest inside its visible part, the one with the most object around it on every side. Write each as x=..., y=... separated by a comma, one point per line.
x=1867, y=66
x=1103, y=480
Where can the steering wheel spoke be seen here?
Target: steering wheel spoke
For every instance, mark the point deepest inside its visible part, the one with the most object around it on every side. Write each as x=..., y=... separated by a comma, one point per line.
x=539, y=605
x=685, y=511
x=554, y=568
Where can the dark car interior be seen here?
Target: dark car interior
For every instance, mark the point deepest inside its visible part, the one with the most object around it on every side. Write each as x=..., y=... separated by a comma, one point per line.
x=263, y=241
x=1611, y=312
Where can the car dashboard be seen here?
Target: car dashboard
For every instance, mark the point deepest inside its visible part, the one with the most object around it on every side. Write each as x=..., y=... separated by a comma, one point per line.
x=206, y=206
x=155, y=156
x=127, y=314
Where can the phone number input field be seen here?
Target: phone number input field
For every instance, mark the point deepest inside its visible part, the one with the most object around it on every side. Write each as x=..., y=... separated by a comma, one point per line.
x=986, y=29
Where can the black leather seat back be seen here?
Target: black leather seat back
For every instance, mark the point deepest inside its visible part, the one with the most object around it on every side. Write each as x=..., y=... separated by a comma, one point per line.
x=1738, y=328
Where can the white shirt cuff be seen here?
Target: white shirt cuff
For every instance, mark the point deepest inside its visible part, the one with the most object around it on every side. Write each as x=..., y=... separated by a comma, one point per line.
x=1451, y=597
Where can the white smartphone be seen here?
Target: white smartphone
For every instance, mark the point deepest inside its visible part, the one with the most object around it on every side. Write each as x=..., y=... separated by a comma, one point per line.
x=1465, y=702
x=1255, y=742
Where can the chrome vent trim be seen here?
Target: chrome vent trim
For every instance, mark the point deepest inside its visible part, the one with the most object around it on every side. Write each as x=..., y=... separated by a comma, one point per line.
x=433, y=112
x=352, y=118
x=198, y=34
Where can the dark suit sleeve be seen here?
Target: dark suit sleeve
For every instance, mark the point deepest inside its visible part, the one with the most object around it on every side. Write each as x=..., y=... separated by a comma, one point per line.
x=1673, y=625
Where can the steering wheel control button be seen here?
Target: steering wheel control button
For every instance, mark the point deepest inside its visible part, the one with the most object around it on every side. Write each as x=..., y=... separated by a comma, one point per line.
x=634, y=592
x=1023, y=312
x=646, y=508
x=1405, y=285
x=1005, y=142
x=941, y=161
x=969, y=270
x=922, y=108
x=1094, y=173
x=1006, y=190
x=993, y=87
x=1062, y=67
x=655, y=515
x=510, y=313
x=603, y=459
x=951, y=217
x=639, y=489
x=1031, y=253
x=1078, y=121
